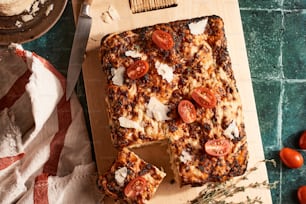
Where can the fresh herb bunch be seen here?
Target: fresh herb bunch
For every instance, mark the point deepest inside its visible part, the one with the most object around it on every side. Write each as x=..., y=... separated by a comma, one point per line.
x=216, y=193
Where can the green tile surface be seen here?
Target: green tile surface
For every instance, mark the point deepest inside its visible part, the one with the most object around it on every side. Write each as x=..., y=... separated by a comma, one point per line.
x=278, y=30
x=263, y=39
x=275, y=35
x=294, y=45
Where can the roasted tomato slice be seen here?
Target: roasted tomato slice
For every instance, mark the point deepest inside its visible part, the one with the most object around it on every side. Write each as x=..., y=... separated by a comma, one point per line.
x=187, y=111
x=291, y=158
x=217, y=147
x=162, y=39
x=138, y=69
x=302, y=194
x=135, y=187
x=204, y=97
x=302, y=140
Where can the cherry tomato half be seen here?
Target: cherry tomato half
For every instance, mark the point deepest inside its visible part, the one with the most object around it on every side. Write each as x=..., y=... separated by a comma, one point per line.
x=302, y=194
x=138, y=69
x=162, y=39
x=187, y=111
x=291, y=158
x=302, y=140
x=135, y=187
x=204, y=97
x=217, y=147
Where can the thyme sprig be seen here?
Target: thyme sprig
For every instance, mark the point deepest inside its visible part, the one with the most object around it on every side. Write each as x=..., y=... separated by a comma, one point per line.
x=216, y=193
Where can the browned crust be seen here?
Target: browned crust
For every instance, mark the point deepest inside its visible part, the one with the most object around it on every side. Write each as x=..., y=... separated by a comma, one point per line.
x=210, y=123
x=135, y=167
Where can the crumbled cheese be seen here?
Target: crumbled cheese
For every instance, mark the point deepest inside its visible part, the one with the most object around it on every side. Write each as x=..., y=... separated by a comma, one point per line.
x=198, y=27
x=231, y=131
x=118, y=75
x=120, y=176
x=26, y=18
x=35, y=7
x=194, y=50
x=133, y=90
x=18, y=24
x=157, y=110
x=133, y=54
x=113, y=13
x=165, y=71
x=49, y=9
x=127, y=123
x=185, y=157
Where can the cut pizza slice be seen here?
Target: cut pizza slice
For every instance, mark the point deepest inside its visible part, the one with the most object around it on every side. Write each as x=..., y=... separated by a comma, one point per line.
x=131, y=179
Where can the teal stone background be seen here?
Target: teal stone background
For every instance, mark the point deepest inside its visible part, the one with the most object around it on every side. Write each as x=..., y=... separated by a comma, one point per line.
x=275, y=36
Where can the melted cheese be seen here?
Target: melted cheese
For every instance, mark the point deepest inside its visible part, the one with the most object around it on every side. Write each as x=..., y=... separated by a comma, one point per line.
x=127, y=123
x=198, y=27
x=120, y=176
x=157, y=110
x=49, y=9
x=185, y=157
x=118, y=76
x=231, y=131
x=133, y=54
x=165, y=71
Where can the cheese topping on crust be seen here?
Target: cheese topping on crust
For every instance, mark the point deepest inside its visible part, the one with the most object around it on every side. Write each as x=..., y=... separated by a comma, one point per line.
x=185, y=157
x=118, y=75
x=127, y=123
x=198, y=28
x=120, y=175
x=133, y=54
x=231, y=131
x=157, y=110
x=165, y=71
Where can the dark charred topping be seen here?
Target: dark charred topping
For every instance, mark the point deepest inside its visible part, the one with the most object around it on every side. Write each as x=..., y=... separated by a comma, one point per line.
x=206, y=127
x=146, y=169
x=172, y=127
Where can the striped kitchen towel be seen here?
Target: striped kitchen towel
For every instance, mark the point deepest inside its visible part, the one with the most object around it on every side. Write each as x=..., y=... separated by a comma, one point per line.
x=45, y=150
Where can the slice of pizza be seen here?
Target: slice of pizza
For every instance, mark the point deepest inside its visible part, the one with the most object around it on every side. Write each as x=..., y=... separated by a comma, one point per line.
x=174, y=82
x=131, y=179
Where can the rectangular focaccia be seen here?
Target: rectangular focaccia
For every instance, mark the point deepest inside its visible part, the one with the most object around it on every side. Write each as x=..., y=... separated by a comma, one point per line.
x=131, y=179
x=186, y=95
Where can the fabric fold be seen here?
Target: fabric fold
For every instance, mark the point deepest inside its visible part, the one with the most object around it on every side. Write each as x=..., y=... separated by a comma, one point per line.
x=46, y=156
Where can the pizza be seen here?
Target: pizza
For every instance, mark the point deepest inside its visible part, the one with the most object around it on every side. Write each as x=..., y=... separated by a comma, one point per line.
x=173, y=83
x=131, y=179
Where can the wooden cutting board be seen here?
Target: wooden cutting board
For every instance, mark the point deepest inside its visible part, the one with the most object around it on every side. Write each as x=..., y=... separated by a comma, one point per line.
x=94, y=80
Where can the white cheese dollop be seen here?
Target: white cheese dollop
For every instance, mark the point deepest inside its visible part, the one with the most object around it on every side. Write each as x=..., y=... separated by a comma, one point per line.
x=26, y=18
x=120, y=176
x=133, y=54
x=185, y=157
x=231, y=131
x=198, y=27
x=49, y=9
x=157, y=110
x=165, y=71
x=118, y=75
x=18, y=24
x=127, y=123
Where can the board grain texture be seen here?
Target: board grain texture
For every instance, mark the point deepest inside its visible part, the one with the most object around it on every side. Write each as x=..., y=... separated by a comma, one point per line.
x=95, y=81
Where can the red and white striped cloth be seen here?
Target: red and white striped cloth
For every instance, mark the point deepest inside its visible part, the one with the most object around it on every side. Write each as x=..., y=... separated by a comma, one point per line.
x=45, y=151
